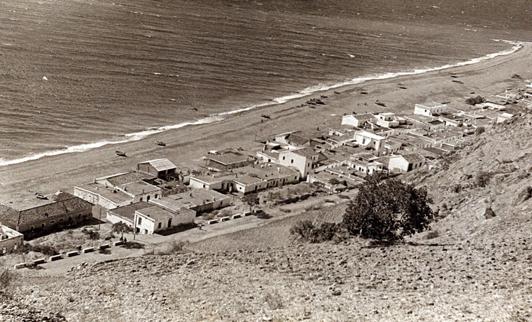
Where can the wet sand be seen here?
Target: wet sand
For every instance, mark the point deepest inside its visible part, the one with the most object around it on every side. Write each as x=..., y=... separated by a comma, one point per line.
x=186, y=146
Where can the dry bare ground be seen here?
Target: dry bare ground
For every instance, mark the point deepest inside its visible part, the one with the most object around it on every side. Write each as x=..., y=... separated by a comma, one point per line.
x=469, y=267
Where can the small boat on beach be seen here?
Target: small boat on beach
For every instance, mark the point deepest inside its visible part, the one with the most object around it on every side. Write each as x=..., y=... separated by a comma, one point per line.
x=160, y=143
x=121, y=154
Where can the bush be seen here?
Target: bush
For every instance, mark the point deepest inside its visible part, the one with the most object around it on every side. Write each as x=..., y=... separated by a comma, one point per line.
x=388, y=210
x=479, y=130
x=482, y=179
x=43, y=249
x=93, y=235
x=305, y=230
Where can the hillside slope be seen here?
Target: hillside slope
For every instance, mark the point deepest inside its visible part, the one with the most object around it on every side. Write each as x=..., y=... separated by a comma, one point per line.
x=477, y=268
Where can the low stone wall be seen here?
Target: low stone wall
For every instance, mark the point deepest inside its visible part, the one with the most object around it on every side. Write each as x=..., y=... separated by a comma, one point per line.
x=67, y=254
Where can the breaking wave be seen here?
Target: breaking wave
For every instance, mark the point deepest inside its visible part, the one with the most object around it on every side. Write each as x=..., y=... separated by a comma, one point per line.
x=136, y=136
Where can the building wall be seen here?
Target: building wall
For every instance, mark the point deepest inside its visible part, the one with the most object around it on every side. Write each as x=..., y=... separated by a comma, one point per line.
x=147, y=196
x=11, y=243
x=398, y=164
x=367, y=141
x=350, y=120
x=113, y=219
x=291, y=159
x=183, y=218
x=145, y=225
x=35, y=223
x=97, y=199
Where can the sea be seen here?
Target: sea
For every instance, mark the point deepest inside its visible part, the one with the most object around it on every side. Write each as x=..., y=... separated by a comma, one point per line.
x=76, y=75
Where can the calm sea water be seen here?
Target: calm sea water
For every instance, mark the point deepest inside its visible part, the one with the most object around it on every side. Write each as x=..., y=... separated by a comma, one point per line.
x=79, y=71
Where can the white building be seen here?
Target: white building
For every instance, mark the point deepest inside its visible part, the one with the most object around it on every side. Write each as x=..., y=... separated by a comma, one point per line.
x=303, y=160
x=118, y=196
x=369, y=139
x=153, y=219
x=199, y=200
x=430, y=109
x=405, y=163
x=10, y=240
x=388, y=120
x=357, y=120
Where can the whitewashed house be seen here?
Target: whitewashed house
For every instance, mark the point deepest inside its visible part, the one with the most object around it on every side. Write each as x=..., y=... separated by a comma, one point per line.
x=405, y=163
x=369, y=139
x=304, y=160
x=154, y=219
x=357, y=120
x=430, y=109
x=388, y=120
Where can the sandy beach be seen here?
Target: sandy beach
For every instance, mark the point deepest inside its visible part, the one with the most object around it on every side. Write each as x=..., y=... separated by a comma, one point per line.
x=185, y=146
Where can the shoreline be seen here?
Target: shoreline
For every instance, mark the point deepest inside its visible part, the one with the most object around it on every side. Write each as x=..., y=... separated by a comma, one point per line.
x=186, y=146
x=219, y=117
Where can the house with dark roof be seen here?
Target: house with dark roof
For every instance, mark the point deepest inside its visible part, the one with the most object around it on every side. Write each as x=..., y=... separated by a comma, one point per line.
x=37, y=217
x=125, y=214
x=228, y=160
x=160, y=168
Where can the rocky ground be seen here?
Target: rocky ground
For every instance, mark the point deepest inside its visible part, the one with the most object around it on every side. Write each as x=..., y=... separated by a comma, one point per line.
x=472, y=265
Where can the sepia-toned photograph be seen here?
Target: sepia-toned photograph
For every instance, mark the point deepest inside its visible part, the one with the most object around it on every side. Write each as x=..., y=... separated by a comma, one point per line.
x=265, y=160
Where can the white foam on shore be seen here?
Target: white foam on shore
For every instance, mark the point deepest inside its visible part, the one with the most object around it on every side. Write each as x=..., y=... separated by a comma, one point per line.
x=136, y=136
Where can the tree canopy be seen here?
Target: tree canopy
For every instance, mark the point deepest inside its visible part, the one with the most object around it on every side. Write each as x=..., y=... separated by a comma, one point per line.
x=388, y=210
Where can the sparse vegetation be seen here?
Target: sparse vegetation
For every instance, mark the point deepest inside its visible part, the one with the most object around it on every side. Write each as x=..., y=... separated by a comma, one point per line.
x=482, y=179
x=93, y=235
x=121, y=228
x=305, y=230
x=479, y=130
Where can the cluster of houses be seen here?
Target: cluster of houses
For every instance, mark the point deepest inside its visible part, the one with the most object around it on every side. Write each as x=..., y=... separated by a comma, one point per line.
x=158, y=195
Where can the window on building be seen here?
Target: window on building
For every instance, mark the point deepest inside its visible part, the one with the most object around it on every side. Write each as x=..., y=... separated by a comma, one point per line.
x=170, y=222
x=292, y=161
x=141, y=199
x=148, y=198
x=160, y=225
x=139, y=221
x=284, y=158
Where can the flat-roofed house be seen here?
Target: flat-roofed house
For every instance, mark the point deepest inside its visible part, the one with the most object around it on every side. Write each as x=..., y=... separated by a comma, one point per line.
x=219, y=181
x=366, y=164
x=405, y=163
x=369, y=139
x=10, y=240
x=430, y=109
x=102, y=196
x=125, y=214
x=36, y=217
x=387, y=120
x=263, y=176
x=160, y=168
x=304, y=160
x=199, y=200
x=119, y=179
x=357, y=120
x=154, y=219
x=228, y=160
x=110, y=197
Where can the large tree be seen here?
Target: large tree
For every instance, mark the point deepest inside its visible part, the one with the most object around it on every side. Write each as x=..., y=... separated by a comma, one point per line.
x=388, y=210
